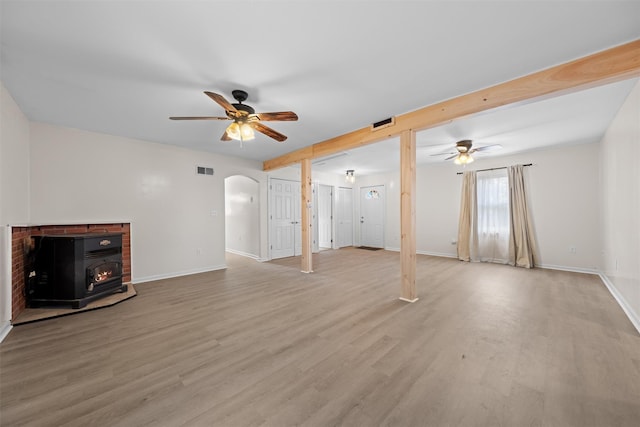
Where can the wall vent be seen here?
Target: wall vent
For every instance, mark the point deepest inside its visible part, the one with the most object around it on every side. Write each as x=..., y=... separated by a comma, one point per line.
x=383, y=123
x=201, y=170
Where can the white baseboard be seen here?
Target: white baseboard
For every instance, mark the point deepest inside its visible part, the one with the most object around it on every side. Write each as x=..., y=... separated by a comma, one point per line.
x=244, y=254
x=622, y=302
x=4, y=330
x=439, y=254
x=570, y=269
x=429, y=253
x=177, y=274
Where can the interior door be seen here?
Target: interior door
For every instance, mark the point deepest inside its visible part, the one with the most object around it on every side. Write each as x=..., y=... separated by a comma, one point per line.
x=325, y=216
x=344, y=217
x=285, y=217
x=372, y=216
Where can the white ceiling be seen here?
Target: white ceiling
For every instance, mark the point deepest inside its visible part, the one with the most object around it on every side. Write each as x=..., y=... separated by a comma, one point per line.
x=124, y=67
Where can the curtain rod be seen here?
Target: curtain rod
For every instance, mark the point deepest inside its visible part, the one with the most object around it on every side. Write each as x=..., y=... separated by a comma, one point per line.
x=491, y=169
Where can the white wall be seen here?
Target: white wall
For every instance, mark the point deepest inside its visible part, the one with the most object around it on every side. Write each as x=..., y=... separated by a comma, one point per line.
x=177, y=216
x=563, y=191
x=621, y=206
x=242, y=215
x=14, y=191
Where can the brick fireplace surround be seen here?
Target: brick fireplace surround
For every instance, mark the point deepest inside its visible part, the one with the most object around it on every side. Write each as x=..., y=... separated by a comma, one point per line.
x=20, y=233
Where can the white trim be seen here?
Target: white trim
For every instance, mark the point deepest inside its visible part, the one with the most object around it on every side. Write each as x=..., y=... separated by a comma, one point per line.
x=408, y=300
x=244, y=254
x=429, y=253
x=565, y=268
x=438, y=254
x=4, y=331
x=178, y=274
x=622, y=302
x=6, y=282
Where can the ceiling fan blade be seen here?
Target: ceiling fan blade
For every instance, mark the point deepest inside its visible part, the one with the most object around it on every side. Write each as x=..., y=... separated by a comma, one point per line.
x=269, y=132
x=488, y=147
x=278, y=116
x=225, y=137
x=444, y=154
x=451, y=157
x=221, y=101
x=199, y=118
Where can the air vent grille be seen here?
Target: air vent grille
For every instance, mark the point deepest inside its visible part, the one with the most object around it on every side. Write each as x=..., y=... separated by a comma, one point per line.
x=202, y=170
x=383, y=123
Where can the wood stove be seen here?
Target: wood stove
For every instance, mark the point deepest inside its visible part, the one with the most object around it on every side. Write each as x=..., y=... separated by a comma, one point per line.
x=74, y=269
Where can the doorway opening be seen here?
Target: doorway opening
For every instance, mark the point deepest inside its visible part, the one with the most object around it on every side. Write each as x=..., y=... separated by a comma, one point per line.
x=242, y=216
x=325, y=217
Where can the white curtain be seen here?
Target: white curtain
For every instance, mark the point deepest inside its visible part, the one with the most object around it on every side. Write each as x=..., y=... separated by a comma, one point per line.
x=492, y=220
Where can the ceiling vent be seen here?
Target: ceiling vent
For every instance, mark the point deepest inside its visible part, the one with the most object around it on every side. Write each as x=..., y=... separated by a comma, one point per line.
x=201, y=170
x=383, y=123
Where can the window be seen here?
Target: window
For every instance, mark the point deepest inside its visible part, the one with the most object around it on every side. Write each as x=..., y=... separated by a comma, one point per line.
x=492, y=195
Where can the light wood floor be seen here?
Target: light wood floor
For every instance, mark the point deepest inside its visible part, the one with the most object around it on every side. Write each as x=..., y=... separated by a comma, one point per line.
x=263, y=344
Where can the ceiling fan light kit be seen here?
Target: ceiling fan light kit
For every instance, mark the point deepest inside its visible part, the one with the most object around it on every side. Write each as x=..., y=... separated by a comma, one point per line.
x=240, y=131
x=462, y=154
x=245, y=119
x=463, y=159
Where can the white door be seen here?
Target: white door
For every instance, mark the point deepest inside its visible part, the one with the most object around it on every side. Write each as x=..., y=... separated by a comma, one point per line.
x=344, y=217
x=325, y=218
x=372, y=216
x=285, y=218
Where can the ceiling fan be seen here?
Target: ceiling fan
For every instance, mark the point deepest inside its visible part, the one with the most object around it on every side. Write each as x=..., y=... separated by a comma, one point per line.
x=463, y=152
x=245, y=119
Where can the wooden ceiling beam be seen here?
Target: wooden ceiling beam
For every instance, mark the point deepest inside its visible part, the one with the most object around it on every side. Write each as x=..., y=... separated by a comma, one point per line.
x=608, y=66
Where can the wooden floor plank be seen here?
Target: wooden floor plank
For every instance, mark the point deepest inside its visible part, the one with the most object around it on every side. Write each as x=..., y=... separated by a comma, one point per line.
x=261, y=344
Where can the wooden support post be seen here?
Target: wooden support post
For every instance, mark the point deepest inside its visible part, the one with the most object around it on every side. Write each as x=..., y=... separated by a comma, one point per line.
x=305, y=181
x=408, y=215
